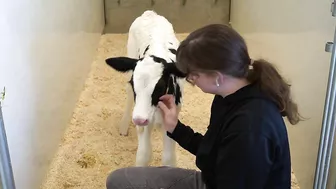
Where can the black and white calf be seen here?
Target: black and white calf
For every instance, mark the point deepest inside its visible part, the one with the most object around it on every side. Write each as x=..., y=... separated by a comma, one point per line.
x=151, y=50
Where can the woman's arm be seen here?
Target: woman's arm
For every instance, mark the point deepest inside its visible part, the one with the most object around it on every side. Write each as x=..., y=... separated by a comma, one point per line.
x=186, y=137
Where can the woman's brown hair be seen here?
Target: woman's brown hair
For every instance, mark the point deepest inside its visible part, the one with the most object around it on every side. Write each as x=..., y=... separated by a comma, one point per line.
x=218, y=47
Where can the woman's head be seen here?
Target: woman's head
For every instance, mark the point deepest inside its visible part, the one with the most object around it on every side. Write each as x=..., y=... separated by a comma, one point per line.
x=216, y=59
x=212, y=55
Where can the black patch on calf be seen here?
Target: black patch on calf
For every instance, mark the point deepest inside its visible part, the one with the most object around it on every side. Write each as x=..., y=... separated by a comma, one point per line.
x=174, y=88
x=172, y=69
x=122, y=64
x=166, y=85
x=171, y=85
x=132, y=85
x=178, y=93
x=146, y=50
x=158, y=59
x=159, y=89
x=169, y=67
x=173, y=51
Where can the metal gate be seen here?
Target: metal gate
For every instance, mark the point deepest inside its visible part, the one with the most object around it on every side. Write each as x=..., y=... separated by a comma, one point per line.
x=329, y=123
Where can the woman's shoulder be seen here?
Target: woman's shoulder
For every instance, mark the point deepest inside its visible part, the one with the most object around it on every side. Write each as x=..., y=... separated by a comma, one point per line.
x=257, y=116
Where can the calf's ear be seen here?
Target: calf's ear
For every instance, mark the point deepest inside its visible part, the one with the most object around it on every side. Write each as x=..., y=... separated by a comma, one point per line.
x=122, y=64
x=172, y=69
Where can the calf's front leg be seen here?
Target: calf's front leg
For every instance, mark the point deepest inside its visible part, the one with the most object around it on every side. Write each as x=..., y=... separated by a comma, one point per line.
x=144, y=151
x=126, y=119
x=169, y=150
x=169, y=146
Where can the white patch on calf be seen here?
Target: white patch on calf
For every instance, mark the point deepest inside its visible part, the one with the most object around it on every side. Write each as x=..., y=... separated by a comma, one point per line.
x=146, y=75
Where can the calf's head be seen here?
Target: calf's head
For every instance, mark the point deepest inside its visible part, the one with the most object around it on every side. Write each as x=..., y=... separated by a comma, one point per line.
x=152, y=77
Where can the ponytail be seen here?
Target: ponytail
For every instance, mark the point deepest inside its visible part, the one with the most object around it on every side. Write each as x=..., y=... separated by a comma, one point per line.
x=273, y=84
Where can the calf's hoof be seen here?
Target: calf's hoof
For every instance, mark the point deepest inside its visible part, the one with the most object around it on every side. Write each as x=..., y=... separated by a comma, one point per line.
x=123, y=131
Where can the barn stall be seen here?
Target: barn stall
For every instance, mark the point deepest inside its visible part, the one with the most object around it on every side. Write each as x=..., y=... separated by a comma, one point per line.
x=83, y=142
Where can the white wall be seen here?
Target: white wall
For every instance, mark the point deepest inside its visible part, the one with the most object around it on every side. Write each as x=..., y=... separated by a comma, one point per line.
x=46, y=48
x=292, y=34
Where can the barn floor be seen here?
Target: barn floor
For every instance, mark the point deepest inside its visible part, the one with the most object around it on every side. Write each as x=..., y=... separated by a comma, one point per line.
x=92, y=147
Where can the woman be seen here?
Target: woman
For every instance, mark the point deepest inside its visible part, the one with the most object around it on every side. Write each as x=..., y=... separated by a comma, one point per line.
x=246, y=144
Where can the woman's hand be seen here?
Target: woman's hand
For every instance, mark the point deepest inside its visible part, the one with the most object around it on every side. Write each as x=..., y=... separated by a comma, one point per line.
x=169, y=112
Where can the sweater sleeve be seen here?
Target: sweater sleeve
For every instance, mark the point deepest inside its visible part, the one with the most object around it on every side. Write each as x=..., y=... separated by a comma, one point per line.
x=186, y=137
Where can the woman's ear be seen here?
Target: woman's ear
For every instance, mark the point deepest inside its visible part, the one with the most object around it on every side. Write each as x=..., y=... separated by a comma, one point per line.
x=219, y=78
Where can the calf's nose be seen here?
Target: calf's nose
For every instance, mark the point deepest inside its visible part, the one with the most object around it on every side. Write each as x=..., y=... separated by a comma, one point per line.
x=140, y=121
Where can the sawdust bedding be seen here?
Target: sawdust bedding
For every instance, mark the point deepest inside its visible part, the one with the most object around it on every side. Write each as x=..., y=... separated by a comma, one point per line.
x=92, y=147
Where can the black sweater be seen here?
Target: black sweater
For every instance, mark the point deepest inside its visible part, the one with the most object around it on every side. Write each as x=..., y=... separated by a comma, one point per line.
x=246, y=144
